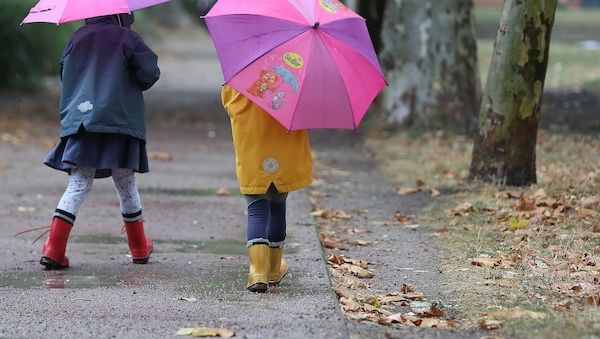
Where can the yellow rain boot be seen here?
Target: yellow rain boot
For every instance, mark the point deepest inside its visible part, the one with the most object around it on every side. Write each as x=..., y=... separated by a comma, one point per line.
x=258, y=277
x=279, y=266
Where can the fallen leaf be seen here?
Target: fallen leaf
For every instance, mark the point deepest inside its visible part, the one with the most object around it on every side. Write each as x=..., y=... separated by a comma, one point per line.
x=336, y=259
x=357, y=230
x=361, y=242
x=525, y=204
x=192, y=299
x=397, y=318
x=223, y=192
x=406, y=288
x=226, y=257
x=517, y=223
x=490, y=324
x=435, y=193
x=463, y=208
x=205, y=332
x=349, y=305
x=514, y=194
x=590, y=201
x=373, y=301
x=333, y=245
x=485, y=262
x=160, y=156
x=403, y=218
x=585, y=213
x=408, y=190
x=360, y=272
x=431, y=323
x=327, y=214
x=342, y=291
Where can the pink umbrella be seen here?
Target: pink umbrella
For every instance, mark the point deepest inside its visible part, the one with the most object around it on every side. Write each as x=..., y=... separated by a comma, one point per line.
x=308, y=63
x=61, y=11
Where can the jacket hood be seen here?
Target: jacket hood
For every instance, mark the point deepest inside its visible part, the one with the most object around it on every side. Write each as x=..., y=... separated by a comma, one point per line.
x=123, y=20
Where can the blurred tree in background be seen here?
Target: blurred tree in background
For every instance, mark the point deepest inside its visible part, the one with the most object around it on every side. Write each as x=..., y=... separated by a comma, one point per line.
x=429, y=56
x=29, y=52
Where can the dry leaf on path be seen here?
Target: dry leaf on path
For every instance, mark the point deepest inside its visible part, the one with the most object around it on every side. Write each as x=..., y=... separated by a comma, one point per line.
x=408, y=190
x=223, y=192
x=160, y=156
x=361, y=242
x=432, y=323
x=463, y=208
x=403, y=218
x=485, y=262
x=489, y=324
x=517, y=223
x=327, y=214
x=360, y=272
x=435, y=193
x=205, y=332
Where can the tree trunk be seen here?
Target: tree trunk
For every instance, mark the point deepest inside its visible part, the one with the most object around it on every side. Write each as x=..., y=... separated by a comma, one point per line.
x=373, y=11
x=504, y=150
x=430, y=59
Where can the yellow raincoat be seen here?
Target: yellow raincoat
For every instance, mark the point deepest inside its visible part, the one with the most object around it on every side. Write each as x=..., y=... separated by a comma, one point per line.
x=264, y=150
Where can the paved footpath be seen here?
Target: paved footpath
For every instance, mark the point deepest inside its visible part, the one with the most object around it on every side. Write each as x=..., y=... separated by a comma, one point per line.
x=196, y=276
x=199, y=236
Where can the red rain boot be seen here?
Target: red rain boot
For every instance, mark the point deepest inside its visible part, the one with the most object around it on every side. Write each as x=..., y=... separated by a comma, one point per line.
x=53, y=254
x=139, y=244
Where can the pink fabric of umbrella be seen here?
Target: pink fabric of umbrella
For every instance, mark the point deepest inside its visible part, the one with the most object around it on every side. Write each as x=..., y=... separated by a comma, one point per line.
x=308, y=63
x=61, y=11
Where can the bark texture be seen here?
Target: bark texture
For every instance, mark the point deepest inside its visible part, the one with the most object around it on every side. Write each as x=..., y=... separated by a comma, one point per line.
x=429, y=56
x=504, y=150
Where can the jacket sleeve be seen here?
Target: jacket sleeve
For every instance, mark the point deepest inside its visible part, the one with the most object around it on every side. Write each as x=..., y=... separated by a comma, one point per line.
x=144, y=63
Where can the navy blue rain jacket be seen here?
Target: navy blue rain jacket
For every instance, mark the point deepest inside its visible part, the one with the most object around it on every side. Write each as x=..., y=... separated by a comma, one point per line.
x=104, y=69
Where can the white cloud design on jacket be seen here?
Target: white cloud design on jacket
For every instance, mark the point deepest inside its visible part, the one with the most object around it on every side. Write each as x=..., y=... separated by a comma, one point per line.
x=85, y=106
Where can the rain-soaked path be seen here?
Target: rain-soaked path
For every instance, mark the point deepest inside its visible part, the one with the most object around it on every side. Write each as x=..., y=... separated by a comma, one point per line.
x=196, y=276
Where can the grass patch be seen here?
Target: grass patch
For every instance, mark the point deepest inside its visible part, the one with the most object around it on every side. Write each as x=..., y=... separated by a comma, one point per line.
x=569, y=66
x=543, y=241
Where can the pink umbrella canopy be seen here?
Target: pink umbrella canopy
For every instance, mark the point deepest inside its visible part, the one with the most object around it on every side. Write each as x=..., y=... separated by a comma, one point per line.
x=308, y=63
x=61, y=11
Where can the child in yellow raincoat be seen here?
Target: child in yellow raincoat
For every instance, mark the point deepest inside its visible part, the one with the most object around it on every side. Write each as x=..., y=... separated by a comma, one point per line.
x=270, y=162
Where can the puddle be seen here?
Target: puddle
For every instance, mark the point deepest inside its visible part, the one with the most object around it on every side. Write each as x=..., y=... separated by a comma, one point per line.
x=230, y=247
x=230, y=284
x=100, y=239
x=189, y=192
x=223, y=247
x=59, y=279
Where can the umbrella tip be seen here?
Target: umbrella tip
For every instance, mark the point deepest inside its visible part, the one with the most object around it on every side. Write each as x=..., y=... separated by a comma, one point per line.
x=316, y=25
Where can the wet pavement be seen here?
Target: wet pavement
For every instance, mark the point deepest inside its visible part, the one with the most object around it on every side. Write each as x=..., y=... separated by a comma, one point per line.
x=196, y=276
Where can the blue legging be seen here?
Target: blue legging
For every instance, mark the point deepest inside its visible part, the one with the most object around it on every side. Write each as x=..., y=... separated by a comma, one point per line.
x=266, y=218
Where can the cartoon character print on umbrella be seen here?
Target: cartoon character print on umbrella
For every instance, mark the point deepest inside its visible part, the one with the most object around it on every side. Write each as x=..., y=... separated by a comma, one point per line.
x=265, y=83
x=269, y=81
x=332, y=6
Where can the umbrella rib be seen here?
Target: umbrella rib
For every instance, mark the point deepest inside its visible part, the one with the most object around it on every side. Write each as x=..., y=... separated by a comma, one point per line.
x=359, y=55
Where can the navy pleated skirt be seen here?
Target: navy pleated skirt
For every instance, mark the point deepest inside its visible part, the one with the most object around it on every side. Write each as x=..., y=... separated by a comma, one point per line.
x=102, y=151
